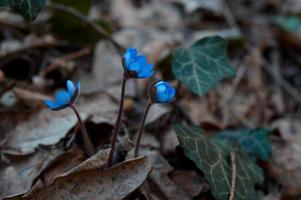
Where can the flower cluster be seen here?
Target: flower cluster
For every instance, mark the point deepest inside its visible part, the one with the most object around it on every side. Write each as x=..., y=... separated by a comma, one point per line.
x=135, y=66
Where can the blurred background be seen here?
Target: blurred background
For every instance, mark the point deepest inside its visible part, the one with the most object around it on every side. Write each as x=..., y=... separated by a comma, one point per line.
x=82, y=40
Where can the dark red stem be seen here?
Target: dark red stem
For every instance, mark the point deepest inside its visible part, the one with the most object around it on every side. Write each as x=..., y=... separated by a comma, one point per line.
x=141, y=128
x=117, y=124
x=86, y=139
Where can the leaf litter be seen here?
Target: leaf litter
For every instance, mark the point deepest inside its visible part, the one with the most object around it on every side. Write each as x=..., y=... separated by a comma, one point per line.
x=42, y=148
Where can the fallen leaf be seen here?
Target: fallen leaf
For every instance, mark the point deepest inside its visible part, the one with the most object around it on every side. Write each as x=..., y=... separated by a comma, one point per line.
x=189, y=181
x=286, y=156
x=159, y=177
x=106, y=62
x=190, y=6
x=153, y=12
x=48, y=127
x=69, y=162
x=198, y=110
x=168, y=142
x=59, y=165
x=115, y=183
x=155, y=43
x=97, y=161
x=156, y=112
x=16, y=177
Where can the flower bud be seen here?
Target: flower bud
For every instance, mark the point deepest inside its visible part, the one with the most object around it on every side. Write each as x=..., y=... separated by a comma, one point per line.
x=162, y=92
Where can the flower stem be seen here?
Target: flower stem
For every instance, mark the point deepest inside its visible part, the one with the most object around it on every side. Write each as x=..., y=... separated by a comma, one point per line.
x=118, y=123
x=141, y=128
x=86, y=139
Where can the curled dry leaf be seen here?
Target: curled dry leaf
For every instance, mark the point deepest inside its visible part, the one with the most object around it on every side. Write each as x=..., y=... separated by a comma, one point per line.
x=96, y=161
x=59, y=165
x=114, y=183
x=68, y=163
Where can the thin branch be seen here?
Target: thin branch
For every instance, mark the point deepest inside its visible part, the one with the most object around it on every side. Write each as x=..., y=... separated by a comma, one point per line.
x=72, y=11
x=233, y=176
x=72, y=56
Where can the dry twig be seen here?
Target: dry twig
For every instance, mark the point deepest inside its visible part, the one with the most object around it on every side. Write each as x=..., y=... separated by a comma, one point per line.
x=233, y=176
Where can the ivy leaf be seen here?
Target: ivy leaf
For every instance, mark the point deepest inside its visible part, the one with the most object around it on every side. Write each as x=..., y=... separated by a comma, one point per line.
x=201, y=66
x=254, y=141
x=289, y=23
x=29, y=9
x=212, y=156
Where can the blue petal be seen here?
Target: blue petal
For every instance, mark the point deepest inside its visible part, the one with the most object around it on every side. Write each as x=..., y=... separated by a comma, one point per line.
x=78, y=86
x=51, y=104
x=62, y=97
x=76, y=92
x=145, y=71
x=141, y=60
x=129, y=56
x=70, y=88
x=134, y=67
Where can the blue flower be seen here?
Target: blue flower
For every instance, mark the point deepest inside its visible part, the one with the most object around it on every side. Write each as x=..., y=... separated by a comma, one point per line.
x=136, y=66
x=64, y=98
x=162, y=92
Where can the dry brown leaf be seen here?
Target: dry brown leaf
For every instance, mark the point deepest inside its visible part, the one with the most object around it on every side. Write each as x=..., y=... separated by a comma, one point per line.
x=189, y=181
x=198, y=110
x=153, y=12
x=215, y=6
x=159, y=177
x=286, y=156
x=106, y=69
x=59, y=165
x=155, y=43
x=156, y=112
x=48, y=127
x=96, y=161
x=112, y=184
x=68, y=163
x=16, y=178
x=169, y=142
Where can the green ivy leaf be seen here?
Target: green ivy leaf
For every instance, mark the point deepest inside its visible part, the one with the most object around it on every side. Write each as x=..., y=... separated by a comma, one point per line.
x=212, y=156
x=254, y=142
x=201, y=66
x=288, y=23
x=29, y=9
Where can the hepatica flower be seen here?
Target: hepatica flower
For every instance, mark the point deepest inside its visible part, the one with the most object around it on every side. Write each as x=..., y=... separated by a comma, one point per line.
x=162, y=92
x=64, y=98
x=135, y=65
